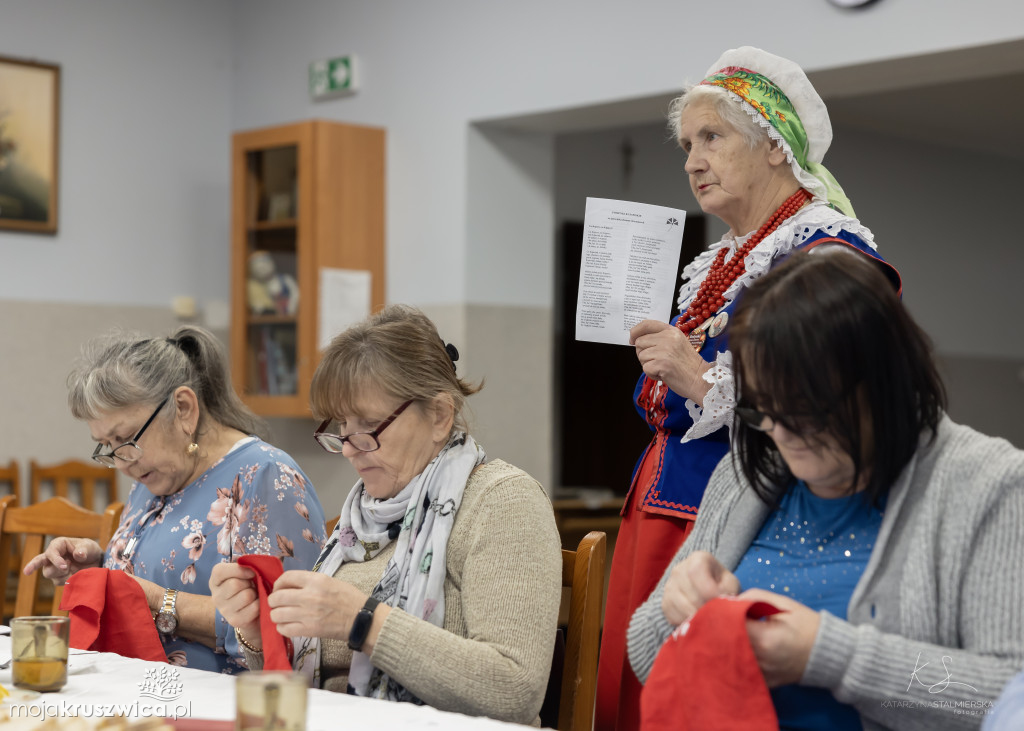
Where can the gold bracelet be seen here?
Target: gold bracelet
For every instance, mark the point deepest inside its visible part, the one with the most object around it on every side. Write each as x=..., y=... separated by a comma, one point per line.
x=246, y=645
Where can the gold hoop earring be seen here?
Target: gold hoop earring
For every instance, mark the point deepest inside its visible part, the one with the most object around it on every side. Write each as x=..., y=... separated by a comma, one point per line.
x=192, y=449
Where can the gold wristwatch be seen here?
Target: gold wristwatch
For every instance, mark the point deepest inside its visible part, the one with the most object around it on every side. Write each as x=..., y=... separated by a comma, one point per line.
x=167, y=619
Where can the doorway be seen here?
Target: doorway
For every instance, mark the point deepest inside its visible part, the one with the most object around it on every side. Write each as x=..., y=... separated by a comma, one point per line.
x=599, y=433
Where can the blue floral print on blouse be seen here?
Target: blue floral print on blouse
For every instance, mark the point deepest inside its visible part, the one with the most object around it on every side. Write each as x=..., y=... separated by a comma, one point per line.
x=254, y=500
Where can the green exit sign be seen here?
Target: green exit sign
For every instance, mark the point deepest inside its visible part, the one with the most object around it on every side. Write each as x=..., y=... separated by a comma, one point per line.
x=332, y=77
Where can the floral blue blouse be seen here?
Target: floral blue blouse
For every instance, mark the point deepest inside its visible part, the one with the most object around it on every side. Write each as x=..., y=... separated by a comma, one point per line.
x=254, y=500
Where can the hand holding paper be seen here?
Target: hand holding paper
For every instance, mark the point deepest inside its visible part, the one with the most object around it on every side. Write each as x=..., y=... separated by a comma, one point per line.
x=667, y=355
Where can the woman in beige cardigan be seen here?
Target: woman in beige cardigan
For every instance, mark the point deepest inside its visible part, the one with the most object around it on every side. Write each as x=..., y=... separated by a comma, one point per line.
x=441, y=582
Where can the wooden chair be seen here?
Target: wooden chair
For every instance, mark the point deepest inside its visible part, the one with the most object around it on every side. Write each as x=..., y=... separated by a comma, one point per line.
x=572, y=688
x=11, y=476
x=33, y=526
x=86, y=475
x=330, y=524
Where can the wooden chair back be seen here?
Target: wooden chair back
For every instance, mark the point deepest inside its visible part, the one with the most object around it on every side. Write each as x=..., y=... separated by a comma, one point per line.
x=33, y=526
x=583, y=575
x=10, y=475
x=10, y=478
x=330, y=524
x=89, y=477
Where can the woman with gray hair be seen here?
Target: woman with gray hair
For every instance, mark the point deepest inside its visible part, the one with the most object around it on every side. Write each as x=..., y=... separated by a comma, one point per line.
x=754, y=132
x=442, y=580
x=206, y=487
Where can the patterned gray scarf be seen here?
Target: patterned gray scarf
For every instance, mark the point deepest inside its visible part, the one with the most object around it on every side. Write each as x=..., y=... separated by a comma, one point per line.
x=413, y=579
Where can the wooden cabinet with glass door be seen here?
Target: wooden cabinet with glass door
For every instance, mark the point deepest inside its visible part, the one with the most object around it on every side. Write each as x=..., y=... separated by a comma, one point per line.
x=307, y=199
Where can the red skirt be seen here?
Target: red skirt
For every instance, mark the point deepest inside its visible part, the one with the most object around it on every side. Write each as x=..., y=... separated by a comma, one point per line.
x=645, y=546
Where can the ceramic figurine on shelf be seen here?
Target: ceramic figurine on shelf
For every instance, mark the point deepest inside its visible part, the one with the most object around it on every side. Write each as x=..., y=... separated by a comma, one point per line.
x=270, y=291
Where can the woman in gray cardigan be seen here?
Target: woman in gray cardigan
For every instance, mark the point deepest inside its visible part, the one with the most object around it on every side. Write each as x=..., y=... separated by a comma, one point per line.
x=889, y=536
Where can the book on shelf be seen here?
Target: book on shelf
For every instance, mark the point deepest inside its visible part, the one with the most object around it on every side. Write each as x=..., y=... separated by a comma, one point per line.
x=276, y=360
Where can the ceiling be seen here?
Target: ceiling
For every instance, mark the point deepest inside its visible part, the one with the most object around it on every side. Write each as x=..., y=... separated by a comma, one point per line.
x=984, y=115
x=971, y=98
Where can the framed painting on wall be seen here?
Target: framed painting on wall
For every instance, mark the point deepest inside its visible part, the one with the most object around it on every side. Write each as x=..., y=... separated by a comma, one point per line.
x=29, y=134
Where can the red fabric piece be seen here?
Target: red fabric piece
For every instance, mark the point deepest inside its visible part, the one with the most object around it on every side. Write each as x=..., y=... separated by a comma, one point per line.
x=644, y=547
x=109, y=613
x=710, y=660
x=276, y=650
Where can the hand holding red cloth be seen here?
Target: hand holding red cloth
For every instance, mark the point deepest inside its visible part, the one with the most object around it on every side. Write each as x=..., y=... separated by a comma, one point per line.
x=706, y=675
x=109, y=613
x=276, y=648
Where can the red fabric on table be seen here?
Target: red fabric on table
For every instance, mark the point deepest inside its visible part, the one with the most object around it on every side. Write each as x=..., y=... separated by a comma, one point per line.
x=709, y=661
x=276, y=653
x=109, y=613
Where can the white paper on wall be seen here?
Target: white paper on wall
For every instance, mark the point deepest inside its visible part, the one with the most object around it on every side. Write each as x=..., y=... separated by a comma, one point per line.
x=344, y=301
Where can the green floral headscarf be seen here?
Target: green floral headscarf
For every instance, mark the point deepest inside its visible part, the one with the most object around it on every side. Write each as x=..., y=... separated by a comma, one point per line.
x=774, y=107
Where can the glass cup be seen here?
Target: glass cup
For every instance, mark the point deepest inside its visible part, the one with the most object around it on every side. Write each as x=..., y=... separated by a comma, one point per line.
x=270, y=700
x=39, y=652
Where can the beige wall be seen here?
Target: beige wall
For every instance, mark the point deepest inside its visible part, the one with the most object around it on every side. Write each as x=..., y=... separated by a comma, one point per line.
x=38, y=342
x=512, y=350
x=509, y=347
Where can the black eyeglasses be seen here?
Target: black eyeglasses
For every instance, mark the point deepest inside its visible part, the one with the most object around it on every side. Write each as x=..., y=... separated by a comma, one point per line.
x=364, y=441
x=810, y=422
x=803, y=424
x=755, y=419
x=130, y=451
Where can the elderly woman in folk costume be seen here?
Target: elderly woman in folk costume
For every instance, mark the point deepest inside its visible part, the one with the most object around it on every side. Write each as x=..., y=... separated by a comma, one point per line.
x=754, y=132
x=442, y=580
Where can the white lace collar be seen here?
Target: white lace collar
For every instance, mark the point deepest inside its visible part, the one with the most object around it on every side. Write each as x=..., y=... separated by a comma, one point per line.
x=816, y=215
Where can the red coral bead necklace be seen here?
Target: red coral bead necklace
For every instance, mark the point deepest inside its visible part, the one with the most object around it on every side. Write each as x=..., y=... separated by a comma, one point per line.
x=722, y=273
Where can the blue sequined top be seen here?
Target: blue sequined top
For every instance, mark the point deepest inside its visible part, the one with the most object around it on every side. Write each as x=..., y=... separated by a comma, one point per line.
x=813, y=550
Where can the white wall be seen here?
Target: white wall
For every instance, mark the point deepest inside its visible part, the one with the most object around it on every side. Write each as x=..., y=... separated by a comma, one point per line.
x=943, y=217
x=932, y=210
x=153, y=89
x=144, y=164
x=432, y=68
x=143, y=215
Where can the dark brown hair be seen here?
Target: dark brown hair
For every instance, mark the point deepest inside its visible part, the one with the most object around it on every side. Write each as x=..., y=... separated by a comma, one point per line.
x=825, y=336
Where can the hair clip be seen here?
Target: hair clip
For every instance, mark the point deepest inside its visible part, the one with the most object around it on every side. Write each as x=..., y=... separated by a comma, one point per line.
x=453, y=353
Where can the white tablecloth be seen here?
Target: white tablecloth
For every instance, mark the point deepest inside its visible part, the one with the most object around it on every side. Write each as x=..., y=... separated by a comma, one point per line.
x=103, y=684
